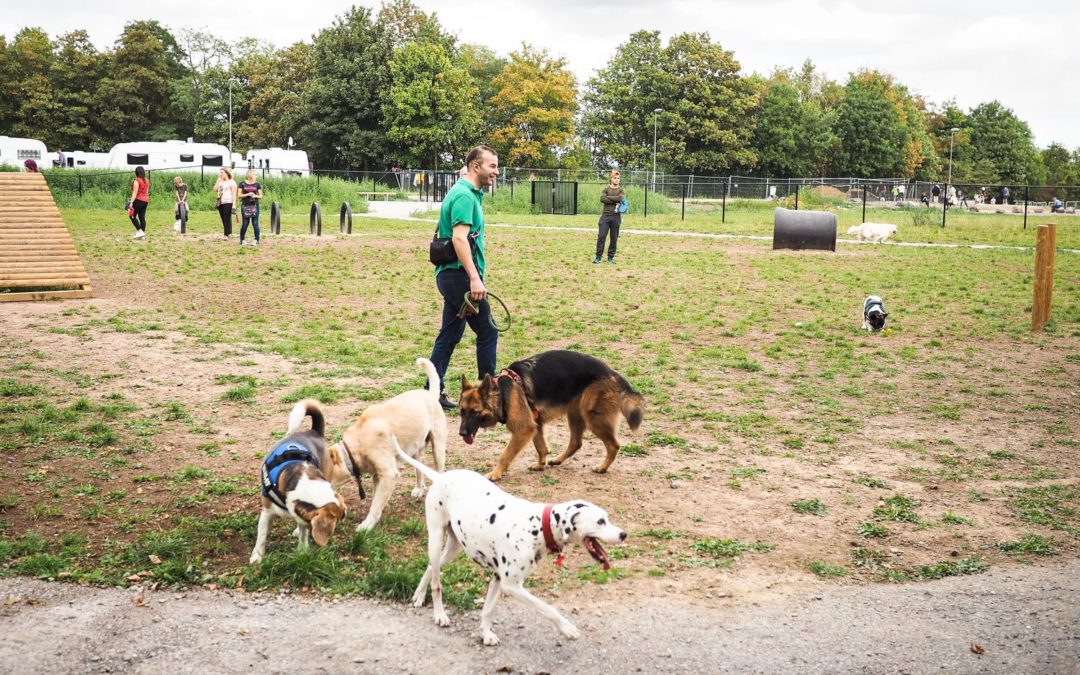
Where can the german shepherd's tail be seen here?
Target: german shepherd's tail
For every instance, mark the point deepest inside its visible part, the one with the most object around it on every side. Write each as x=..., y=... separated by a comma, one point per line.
x=632, y=405
x=432, y=376
x=427, y=471
x=309, y=407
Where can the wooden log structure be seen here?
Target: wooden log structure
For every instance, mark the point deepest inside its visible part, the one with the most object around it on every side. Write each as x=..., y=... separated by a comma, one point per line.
x=38, y=260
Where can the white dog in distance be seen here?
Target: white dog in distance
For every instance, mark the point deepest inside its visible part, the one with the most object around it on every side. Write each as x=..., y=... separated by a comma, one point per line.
x=874, y=232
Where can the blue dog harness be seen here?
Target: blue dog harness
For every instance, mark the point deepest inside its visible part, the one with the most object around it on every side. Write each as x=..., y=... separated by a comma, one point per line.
x=286, y=452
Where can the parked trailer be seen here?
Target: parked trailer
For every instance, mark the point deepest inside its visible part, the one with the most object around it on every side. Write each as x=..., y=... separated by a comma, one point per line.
x=175, y=155
x=77, y=159
x=15, y=151
x=279, y=162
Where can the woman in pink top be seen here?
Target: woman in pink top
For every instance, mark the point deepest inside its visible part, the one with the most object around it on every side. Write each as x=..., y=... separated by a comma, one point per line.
x=226, y=191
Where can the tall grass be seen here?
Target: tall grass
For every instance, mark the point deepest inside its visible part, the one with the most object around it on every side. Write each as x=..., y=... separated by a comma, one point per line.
x=98, y=189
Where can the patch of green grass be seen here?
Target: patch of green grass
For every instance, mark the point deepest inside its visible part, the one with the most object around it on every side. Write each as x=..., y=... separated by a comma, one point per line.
x=1034, y=544
x=10, y=388
x=190, y=473
x=869, y=529
x=310, y=567
x=812, y=507
x=176, y=412
x=244, y=393
x=827, y=570
x=899, y=508
x=868, y=558
x=662, y=533
x=727, y=548
x=633, y=450
x=746, y=472
x=954, y=519
x=871, y=482
x=1047, y=505
x=969, y=565
x=660, y=439
x=322, y=392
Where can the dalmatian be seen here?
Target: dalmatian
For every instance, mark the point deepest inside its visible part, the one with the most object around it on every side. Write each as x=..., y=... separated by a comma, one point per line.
x=506, y=534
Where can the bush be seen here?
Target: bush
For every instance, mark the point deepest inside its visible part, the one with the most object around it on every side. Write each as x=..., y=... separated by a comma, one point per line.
x=111, y=190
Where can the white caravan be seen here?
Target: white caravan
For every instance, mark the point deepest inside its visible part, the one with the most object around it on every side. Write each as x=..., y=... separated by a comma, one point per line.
x=15, y=151
x=279, y=162
x=77, y=159
x=174, y=155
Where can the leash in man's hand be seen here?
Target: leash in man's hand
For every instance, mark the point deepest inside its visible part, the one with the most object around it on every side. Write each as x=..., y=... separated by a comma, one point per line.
x=468, y=308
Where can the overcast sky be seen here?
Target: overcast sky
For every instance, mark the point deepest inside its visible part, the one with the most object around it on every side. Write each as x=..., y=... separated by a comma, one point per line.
x=1024, y=54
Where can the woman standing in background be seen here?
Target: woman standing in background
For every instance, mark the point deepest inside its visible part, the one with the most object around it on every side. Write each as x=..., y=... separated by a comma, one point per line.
x=226, y=197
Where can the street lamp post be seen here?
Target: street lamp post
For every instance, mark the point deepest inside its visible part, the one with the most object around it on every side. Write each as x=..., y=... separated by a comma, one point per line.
x=656, y=112
x=952, y=134
x=230, y=119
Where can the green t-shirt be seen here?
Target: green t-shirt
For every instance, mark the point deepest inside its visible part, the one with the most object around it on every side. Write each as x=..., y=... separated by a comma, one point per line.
x=463, y=205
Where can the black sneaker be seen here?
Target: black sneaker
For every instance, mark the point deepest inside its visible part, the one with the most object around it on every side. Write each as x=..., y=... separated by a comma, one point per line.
x=445, y=402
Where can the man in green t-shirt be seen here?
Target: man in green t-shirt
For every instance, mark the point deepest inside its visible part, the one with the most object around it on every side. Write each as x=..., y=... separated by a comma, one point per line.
x=462, y=218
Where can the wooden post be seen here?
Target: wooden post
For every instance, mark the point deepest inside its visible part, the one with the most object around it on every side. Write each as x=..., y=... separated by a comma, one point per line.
x=1046, y=240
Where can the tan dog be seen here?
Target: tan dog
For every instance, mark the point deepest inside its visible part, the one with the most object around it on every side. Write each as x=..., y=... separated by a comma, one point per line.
x=535, y=391
x=416, y=419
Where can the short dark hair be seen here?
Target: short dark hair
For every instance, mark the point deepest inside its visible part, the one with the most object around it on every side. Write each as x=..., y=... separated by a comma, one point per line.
x=476, y=153
x=140, y=172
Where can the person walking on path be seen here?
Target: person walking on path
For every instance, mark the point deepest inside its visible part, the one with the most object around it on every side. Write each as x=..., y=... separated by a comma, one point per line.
x=226, y=197
x=140, y=199
x=250, y=194
x=462, y=219
x=612, y=197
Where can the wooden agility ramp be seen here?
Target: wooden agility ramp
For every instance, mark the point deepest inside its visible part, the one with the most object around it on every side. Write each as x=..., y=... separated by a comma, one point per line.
x=38, y=260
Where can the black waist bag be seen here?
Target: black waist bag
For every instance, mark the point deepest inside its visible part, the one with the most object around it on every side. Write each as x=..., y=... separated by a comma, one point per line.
x=441, y=250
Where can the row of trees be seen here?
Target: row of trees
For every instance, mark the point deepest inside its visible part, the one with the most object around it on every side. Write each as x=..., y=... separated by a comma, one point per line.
x=393, y=88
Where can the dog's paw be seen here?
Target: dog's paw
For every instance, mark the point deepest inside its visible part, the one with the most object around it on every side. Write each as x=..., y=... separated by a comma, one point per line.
x=442, y=620
x=599, y=468
x=569, y=630
x=254, y=559
x=296, y=531
x=554, y=462
x=417, y=492
x=490, y=639
x=494, y=476
x=537, y=467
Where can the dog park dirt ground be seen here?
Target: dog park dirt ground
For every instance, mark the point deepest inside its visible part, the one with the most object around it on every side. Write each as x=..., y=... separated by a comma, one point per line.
x=760, y=610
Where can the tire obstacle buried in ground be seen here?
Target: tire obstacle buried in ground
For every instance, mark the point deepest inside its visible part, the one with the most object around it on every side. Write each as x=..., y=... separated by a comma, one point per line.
x=182, y=210
x=275, y=218
x=315, y=219
x=345, y=221
x=804, y=230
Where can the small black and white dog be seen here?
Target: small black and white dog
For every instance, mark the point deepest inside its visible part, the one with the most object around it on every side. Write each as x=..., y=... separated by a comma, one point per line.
x=873, y=313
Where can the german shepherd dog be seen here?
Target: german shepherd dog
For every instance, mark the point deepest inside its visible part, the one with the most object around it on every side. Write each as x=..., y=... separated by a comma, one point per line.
x=537, y=390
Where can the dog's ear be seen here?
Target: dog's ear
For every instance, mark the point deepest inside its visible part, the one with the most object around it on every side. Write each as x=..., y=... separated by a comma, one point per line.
x=465, y=386
x=326, y=519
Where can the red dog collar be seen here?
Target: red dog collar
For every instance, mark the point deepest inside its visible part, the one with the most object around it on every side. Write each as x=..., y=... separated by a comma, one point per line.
x=549, y=539
x=506, y=372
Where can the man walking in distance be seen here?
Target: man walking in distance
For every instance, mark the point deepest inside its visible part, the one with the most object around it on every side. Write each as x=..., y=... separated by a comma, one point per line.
x=462, y=218
x=610, y=218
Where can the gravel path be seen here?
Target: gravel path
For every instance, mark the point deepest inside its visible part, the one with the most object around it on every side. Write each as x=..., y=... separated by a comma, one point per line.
x=1017, y=620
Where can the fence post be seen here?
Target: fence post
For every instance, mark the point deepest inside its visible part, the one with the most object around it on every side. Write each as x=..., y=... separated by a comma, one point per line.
x=864, y=202
x=796, y=197
x=723, y=201
x=646, y=199
x=944, y=204
x=1025, y=205
x=1046, y=240
x=80, y=186
x=684, y=201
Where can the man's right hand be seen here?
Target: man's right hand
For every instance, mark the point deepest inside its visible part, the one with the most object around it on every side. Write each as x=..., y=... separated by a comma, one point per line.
x=477, y=291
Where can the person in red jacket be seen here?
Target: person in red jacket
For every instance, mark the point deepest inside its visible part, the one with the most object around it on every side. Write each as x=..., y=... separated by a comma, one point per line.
x=140, y=198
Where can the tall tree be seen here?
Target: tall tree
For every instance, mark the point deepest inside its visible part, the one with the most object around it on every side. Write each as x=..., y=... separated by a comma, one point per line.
x=343, y=100
x=617, y=121
x=791, y=138
x=707, y=123
x=429, y=108
x=133, y=97
x=30, y=65
x=275, y=110
x=1002, y=143
x=873, y=139
x=76, y=71
x=483, y=66
x=533, y=109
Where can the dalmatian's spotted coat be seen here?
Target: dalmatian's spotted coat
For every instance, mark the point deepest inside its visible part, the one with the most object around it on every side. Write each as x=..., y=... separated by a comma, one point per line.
x=504, y=534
